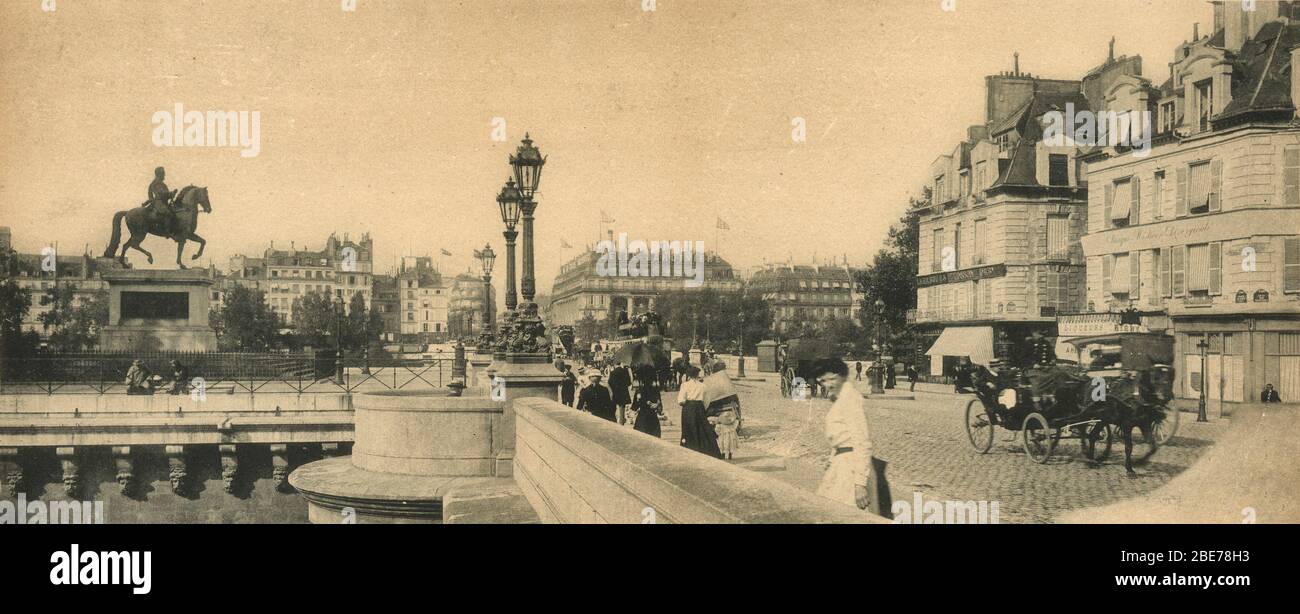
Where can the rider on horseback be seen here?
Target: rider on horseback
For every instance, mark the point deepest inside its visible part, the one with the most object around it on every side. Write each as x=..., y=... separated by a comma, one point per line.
x=160, y=200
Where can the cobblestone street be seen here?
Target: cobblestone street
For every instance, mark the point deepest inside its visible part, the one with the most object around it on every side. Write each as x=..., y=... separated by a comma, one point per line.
x=924, y=442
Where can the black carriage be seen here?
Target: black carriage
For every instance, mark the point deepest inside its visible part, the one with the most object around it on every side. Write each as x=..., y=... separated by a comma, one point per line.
x=1127, y=384
x=798, y=361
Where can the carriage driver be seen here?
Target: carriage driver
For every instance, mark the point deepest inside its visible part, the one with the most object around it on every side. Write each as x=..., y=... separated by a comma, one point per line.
x=160, y=200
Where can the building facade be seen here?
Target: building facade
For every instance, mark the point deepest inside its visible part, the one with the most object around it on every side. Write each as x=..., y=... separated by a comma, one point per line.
x=799, y=294
x=425, y=301
x=999, y=239
x=341, y=269
x=579, y=291
x=1203, y=234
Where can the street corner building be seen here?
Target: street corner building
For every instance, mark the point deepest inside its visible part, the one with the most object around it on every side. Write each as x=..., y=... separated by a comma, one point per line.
x=999, y=238
x=1194, y=232
x=1202, y=236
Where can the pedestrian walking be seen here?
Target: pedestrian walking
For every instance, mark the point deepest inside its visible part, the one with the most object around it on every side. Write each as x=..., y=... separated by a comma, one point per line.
x=848, y=479
x=620, y=381
x=567, y=386
x=697, y=433
x=596, y=400
x=912, y=376
x=720, y=395
x=858, y=366
x=647, y=402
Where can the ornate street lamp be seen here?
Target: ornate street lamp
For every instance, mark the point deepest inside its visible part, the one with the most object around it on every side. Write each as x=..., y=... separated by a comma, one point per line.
x=740, y=341
x=488, y=258
x=510, y=201
x=877, y=368
x=527, y=162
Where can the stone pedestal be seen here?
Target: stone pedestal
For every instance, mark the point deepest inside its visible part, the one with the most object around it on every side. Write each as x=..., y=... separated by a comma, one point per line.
x=411, y=451
x=520, y=376
x=158, y=310
x=479, y=363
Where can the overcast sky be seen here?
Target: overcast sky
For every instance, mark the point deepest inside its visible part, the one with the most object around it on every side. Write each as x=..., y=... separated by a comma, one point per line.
x=380, y=120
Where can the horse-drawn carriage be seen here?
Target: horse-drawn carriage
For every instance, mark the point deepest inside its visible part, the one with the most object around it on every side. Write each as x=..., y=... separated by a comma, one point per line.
x=1126, y=384
x=797, y=365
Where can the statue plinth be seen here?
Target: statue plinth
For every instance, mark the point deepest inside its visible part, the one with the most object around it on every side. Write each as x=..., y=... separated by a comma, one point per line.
x=519, y=375
x=158, y=310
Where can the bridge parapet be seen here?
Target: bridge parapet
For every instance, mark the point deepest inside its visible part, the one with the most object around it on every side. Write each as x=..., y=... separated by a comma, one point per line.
x=575, y=468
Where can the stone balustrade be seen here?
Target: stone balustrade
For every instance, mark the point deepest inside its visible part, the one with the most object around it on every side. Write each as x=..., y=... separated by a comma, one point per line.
x=574, y=468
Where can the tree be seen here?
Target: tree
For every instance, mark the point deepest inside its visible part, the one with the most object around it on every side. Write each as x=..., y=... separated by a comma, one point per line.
x=891, y=278
x=74, y=324
x=244, y=321
x=314, y=319
x=15, y=345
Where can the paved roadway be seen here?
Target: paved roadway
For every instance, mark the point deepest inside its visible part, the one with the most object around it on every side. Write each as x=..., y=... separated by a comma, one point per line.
x=924, y=442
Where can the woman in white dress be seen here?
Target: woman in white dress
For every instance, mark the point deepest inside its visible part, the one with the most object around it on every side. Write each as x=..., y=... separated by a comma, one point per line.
x=846, y=480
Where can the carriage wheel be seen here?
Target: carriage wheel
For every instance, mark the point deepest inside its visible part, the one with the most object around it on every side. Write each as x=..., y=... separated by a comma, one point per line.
x=1100, y=433
x=979, y=427
x=1166, y=425
x=1039, y=441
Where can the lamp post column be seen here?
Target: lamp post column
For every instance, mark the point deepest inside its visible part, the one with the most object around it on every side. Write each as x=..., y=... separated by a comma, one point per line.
x=487, y=304
x=511, y=300
x=1204, y=346
x=527, y=285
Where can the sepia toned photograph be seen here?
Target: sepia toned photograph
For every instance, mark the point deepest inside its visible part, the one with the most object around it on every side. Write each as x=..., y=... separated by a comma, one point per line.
x=536, y=262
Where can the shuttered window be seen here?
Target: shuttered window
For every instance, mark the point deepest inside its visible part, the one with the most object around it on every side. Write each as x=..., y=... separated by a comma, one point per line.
x=1216, y=268
x=1291, y=174
x=936, y=258
x=1198, y=188
x=1108, y=197
x=1121, y=200
x=1134, y=275
x=1216, y=185
x=1180, y=203
x=978, y=239
x=1198, y=268
x=1107, y=263
x=1291, y=265
x=1178, y=275
x=1058, y=236
x=1119, y=274
x=1166, y=257
x=1135, y=210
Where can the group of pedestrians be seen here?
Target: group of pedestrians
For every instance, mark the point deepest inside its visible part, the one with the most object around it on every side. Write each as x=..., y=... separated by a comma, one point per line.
x=712, y=420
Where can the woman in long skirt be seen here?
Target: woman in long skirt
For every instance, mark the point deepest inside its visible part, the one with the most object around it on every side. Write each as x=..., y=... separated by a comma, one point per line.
x=697, y=433
x=646, y=401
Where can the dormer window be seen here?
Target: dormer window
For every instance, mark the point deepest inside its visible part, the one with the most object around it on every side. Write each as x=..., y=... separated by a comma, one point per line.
x=1167, y=117
x=1204, y=103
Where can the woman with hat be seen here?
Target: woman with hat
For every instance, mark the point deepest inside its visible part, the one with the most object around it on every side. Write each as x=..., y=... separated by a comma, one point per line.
x=847, y=478
x=697, y=433
x=647, y=401
x=596, y=400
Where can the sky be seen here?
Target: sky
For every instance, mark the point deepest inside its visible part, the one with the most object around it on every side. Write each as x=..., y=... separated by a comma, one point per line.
x=382, y=119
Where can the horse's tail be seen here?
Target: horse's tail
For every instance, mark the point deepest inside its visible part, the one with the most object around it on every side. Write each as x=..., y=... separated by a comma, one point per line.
x=117, y=234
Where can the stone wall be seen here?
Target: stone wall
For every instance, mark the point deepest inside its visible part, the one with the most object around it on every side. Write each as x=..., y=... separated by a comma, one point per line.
x=574, y=468
x=259, y=493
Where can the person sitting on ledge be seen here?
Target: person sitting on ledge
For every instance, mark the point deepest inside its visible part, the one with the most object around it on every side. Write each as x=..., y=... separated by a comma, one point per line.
x=138, y=379
x=180, y=378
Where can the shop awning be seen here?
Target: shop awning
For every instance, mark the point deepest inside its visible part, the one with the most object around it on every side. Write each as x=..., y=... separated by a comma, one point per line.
x=974, y=342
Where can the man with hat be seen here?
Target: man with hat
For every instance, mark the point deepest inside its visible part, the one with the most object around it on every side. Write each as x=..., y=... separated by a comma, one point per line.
x=596, y=398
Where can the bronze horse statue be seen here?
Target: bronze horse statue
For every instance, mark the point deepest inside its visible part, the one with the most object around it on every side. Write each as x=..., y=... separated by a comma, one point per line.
x=142, y=222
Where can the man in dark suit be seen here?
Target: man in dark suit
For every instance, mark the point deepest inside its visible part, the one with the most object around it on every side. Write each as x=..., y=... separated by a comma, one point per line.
x=620, y=382
x=595, y=399
x=1269, y=395
x=567, y=386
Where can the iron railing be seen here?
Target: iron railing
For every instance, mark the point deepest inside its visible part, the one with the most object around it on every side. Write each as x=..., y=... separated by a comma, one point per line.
x=223, y=372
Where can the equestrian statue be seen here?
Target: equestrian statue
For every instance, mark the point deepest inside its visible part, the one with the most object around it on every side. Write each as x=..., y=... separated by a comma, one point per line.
x=168, y=213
